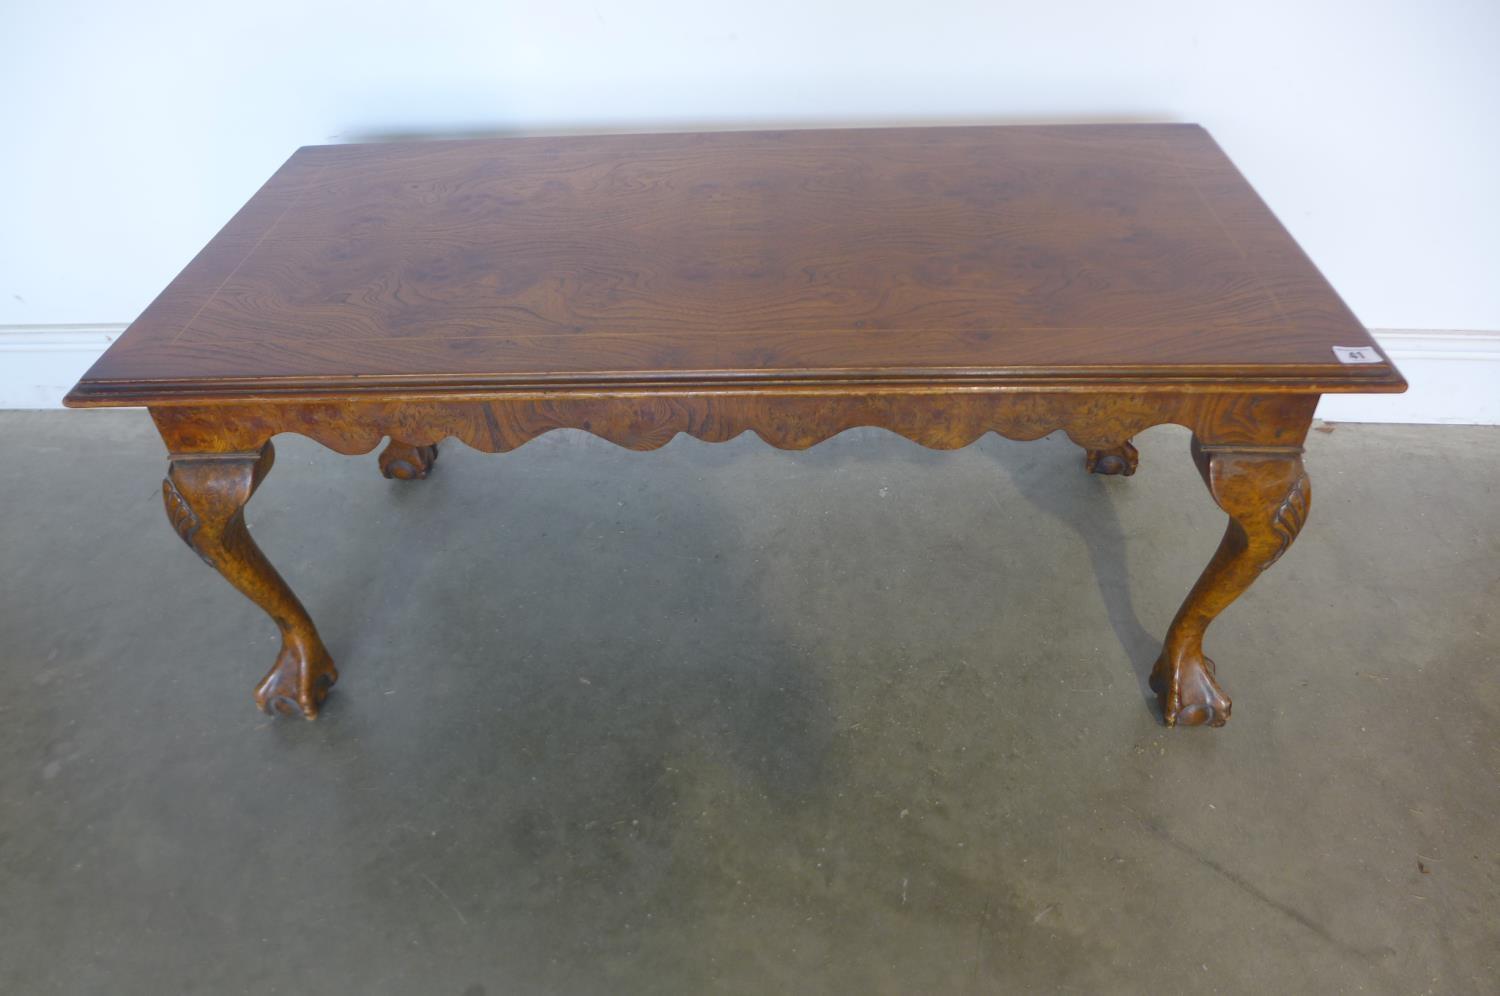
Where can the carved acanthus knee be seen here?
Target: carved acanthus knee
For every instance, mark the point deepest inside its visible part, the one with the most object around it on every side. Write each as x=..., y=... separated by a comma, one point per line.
x=205, y=496
x=404, y=462
x=1266, y=493
x=219, y=486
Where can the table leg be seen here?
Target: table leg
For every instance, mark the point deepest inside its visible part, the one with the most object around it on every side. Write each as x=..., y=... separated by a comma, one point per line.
x=403, y=462
x=1266, y=493
x=1114, y=460
x=205, y=496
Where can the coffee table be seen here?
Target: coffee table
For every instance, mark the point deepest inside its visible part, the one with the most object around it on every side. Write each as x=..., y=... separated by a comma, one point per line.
x=938, y=282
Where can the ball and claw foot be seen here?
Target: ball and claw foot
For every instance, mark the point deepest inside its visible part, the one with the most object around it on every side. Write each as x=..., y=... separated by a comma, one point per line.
x=402, y=462
x=1188, y=692
x=298, y=684
x=1119, y=460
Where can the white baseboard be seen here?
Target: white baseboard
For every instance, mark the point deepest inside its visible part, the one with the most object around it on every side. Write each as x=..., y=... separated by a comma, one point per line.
x=41, y=363
x=1454, y=379
x=1454, y=376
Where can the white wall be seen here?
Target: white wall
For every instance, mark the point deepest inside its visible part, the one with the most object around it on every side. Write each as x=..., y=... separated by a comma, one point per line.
x=131, y=131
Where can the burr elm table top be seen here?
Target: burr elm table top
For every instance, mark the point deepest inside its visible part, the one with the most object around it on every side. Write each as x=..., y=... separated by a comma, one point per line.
x=993, y=255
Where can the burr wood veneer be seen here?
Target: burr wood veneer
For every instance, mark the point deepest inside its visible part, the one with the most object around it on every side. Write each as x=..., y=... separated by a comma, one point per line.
x=940, y=283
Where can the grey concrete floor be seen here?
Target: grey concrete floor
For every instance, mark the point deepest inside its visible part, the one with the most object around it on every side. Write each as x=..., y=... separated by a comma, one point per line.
x=720, y=718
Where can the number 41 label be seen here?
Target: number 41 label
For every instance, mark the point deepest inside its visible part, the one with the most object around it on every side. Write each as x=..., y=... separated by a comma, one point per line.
x=1357, y=354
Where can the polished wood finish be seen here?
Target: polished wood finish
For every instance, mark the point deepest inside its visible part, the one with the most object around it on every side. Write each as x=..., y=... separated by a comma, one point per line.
x=990, y=255
x=1121, y=460
x=205, y=498
x=1267, y=495
x=940, y=283
x=405, y=462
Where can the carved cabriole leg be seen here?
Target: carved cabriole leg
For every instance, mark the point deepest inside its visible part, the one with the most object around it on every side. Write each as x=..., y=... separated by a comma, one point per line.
x=1119, y=459
x=1266, y=493
x=404, y=462
x=205, y=495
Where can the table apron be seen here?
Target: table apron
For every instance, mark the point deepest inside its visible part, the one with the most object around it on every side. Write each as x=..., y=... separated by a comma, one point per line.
x=937, y=420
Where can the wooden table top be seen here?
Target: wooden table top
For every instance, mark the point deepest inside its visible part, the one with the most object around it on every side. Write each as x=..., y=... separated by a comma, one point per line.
x=1050, y=256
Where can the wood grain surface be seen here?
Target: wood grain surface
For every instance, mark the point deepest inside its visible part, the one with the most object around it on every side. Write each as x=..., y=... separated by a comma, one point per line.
x=1119, y=254
x=940, y=283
